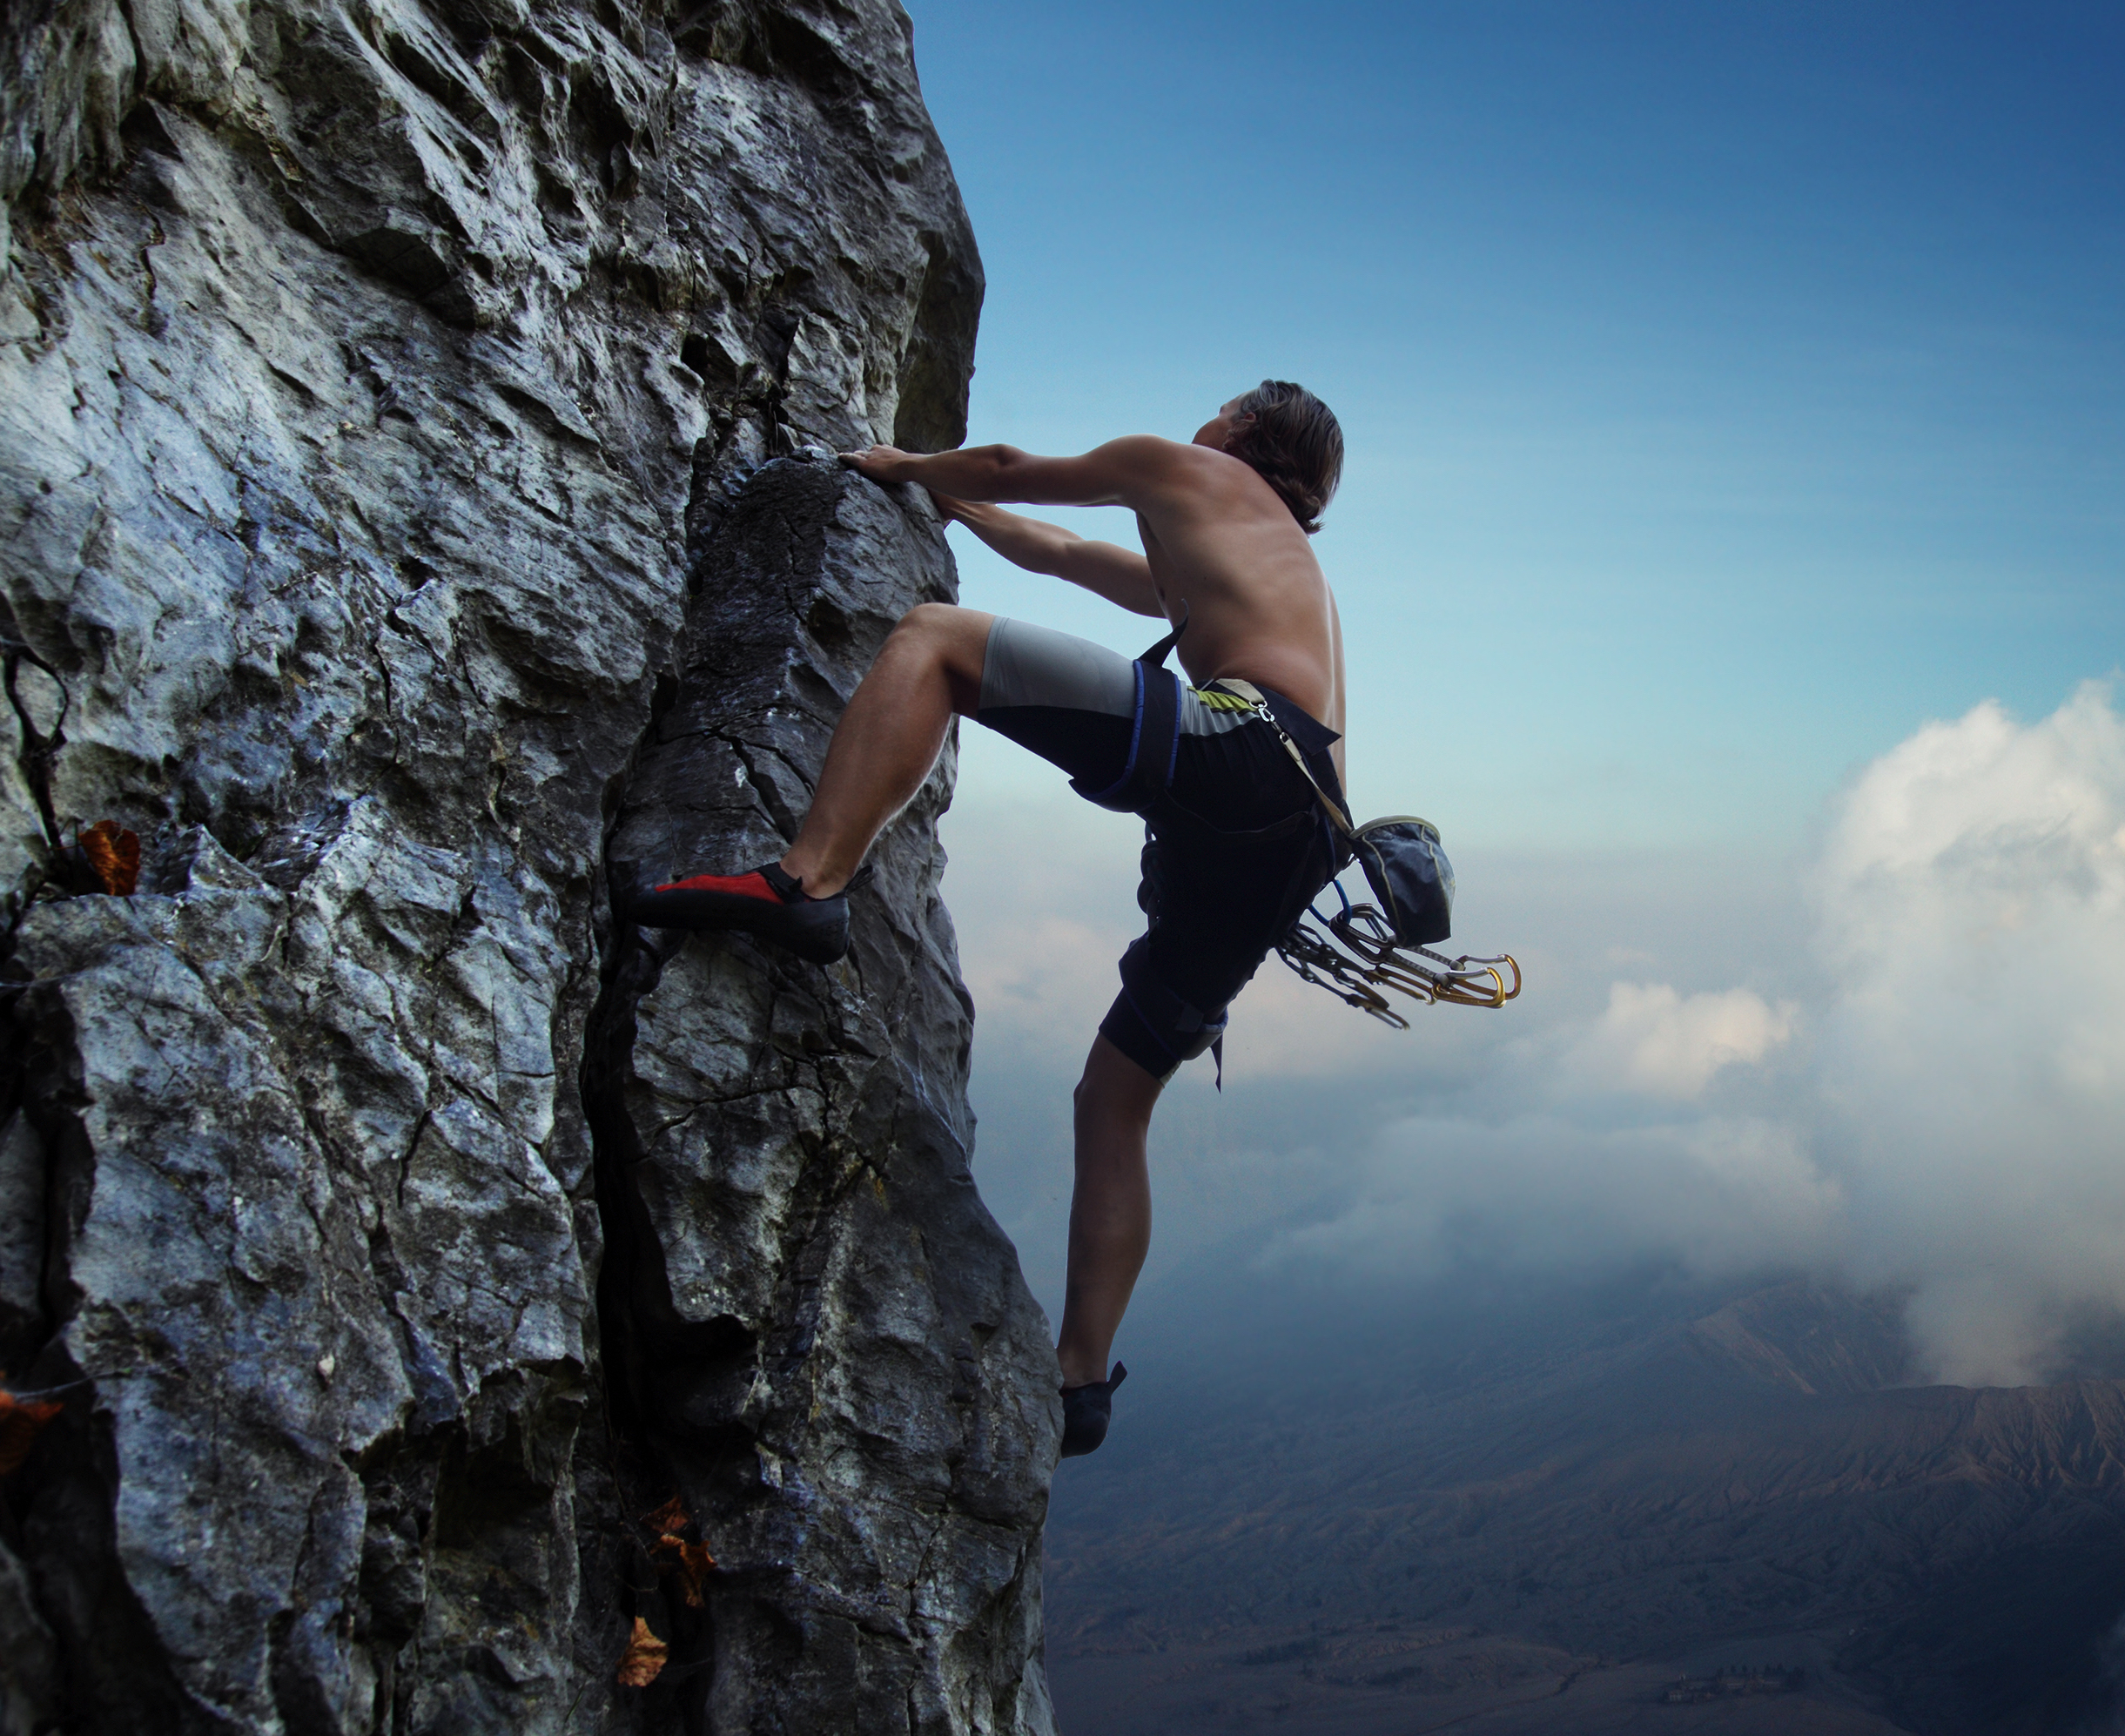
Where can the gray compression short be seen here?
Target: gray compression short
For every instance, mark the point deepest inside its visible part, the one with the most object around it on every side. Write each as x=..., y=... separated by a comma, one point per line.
x=1028, y=665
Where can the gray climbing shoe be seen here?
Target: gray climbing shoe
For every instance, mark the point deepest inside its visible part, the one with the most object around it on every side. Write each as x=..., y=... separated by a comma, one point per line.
x=1087, y=1412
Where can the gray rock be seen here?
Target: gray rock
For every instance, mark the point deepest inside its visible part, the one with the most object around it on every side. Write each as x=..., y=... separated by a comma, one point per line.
x=844, y=1382
x=417, y=525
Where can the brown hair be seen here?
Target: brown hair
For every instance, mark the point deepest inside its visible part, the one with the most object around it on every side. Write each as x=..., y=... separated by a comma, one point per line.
x=1296, y=446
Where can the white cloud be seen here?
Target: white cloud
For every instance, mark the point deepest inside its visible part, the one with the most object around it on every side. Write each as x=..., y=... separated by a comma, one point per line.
x=1957, y=1124
x=1654, y=1041
x=1041, y=986
x=1549, y=1193
x=1972, y=903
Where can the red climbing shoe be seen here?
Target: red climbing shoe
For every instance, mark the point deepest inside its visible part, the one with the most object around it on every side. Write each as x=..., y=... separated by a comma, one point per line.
x=766, y=902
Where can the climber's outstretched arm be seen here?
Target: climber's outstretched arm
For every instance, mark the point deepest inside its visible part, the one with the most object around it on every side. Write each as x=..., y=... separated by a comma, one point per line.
x=1121, y=575
x=1132, y=471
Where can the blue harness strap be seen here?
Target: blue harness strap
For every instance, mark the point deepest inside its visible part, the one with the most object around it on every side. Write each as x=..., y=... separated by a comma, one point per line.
x=1154, y=734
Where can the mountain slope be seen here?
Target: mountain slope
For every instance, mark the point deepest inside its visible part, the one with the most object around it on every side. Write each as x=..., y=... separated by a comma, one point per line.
x=1638, y=1479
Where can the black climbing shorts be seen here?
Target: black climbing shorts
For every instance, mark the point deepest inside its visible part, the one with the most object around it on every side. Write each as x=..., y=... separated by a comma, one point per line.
x=1236, y=847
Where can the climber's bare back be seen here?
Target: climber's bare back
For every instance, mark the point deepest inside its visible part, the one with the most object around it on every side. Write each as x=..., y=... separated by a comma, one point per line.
x=1219, y=543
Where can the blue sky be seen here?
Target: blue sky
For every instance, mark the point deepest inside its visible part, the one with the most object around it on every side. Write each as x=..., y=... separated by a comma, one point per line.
x=1729, y=388
x=1732, y=392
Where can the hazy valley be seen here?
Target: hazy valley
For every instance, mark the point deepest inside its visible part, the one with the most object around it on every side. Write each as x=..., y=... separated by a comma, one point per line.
x=1572, y=1513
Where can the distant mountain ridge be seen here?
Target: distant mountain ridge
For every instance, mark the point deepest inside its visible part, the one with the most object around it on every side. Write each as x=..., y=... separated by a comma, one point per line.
x=1814, y=1341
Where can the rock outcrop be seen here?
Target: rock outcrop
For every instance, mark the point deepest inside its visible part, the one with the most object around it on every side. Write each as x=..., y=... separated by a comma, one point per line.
x=417, y=524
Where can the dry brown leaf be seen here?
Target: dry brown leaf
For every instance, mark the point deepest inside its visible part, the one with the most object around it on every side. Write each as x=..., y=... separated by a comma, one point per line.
x=113, y=857
x=694, y=1561
x=643, y=1660
x=671, y=1522
x=21, y=1419
x=672, y=1517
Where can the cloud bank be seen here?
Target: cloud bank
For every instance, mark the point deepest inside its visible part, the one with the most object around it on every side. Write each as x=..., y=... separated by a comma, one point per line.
x=1971, y=1069
x=1946, y=1111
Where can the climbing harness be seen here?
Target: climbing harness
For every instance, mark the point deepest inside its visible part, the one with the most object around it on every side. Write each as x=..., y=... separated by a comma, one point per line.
x=1406, y=868
x=1384, y=945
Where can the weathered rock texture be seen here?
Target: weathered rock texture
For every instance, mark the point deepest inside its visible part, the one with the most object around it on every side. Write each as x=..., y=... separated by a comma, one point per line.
x=408, y=529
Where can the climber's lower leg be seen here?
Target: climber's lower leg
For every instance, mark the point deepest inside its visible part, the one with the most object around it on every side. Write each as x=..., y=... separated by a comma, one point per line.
x=889, y=738
x=881, y=751
x=1110, y=1207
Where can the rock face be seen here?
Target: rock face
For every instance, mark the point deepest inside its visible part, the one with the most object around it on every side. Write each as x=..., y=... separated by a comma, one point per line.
x=413, y=528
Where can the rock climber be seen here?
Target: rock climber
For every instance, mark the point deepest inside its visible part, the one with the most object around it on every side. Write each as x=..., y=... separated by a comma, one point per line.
x=1239, y=842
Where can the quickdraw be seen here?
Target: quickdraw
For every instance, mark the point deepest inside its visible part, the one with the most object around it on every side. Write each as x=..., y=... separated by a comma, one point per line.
x=1376, y=963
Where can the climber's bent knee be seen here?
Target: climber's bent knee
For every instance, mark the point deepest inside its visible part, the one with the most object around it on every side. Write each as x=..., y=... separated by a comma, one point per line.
x=1115, y=1085
x=934, y=618
x=1155, y=1027
x=957, y=639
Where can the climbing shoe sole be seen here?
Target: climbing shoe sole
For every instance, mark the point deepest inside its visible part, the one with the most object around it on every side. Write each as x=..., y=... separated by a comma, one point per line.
x=815, y=929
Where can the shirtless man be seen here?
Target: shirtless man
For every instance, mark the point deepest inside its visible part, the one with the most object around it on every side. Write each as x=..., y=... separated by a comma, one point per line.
x=1239, y=842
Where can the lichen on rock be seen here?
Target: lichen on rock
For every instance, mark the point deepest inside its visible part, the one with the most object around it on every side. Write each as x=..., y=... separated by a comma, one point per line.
x=419, y=523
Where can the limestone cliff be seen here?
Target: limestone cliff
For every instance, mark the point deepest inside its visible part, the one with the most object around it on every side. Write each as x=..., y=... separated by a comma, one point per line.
x=413, y=524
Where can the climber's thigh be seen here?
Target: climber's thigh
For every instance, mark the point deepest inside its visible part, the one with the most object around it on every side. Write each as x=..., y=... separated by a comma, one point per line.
x=1067, y=699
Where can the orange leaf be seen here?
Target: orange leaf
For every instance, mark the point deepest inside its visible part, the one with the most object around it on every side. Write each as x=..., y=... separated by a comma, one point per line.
x=20, y=1420
x=694, y=1564
x=672, y=1522
x=643, y=1660
x=113, y=857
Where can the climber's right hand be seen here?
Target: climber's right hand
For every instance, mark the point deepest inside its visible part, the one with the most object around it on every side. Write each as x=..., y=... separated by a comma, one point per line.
x=879, y=463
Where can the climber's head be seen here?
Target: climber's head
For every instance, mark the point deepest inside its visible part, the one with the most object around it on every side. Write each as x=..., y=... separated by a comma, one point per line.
x=1290, y=437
